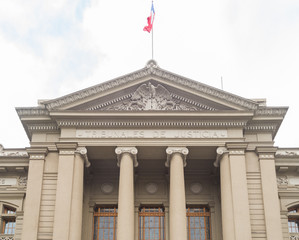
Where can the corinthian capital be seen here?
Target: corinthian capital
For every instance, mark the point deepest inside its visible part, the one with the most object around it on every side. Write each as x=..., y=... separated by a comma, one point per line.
x=172, y=150
x=131, y=150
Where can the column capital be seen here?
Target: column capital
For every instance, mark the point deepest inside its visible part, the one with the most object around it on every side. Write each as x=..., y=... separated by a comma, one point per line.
x=83, y=152
x=37, y=153
x=220, y=153
x=237, y=148
x=266, y=153
x=172, y=150
x=66, y=148
x=131, y=150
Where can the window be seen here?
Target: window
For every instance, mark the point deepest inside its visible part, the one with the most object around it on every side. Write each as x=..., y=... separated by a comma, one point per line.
x=8, y=220
x=105, y=222
x=293, y=219
x=151, y=223
x=198, y=223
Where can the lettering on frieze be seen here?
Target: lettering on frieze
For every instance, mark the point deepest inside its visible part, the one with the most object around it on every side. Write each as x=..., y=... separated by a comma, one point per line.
x=186, y=134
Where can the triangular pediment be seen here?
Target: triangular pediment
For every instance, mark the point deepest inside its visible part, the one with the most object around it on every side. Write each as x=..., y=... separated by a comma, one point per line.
x=151, y=89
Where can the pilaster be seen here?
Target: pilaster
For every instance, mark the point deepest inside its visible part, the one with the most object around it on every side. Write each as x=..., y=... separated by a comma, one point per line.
x=270, y=192
x=33, y=194
x=63, y=206
x=239, y=188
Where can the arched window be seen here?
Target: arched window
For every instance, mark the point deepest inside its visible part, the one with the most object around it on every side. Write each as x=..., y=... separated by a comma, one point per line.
x=8, y=219
x=293, y=220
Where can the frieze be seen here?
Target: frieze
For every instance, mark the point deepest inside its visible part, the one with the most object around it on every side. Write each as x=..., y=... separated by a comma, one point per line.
x=6, y=153
x=287, y=153
x=180, y=134
x=150, y=69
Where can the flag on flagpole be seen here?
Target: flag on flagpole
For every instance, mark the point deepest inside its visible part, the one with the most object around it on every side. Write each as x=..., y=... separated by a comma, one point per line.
x=150, y=20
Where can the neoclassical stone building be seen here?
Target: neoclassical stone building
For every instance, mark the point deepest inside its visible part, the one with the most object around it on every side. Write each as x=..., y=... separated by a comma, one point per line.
x=150, y=155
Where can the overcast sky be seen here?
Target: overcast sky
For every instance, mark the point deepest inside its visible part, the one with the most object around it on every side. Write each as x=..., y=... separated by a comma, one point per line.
x=52, y=48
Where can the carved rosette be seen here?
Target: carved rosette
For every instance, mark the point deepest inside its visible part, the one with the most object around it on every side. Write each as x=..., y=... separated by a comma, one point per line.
x=131, y=150
x=172, y=150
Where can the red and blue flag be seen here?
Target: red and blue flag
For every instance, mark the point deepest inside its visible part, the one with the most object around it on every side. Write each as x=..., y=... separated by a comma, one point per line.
x=150, y=20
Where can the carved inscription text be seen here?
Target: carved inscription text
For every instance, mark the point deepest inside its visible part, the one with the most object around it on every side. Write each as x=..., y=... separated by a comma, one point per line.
x=151, y=133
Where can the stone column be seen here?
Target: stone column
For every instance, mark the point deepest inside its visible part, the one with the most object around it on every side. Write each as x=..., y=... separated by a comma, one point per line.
x=239, y=189
x=176, y=161
x=127, y=160
x=69, y=194
x=270, y=192
x=77, y=194
x=33, y=193
x=228, y=228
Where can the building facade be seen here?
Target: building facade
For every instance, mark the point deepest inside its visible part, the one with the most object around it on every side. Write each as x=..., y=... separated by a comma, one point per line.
x=146, y=156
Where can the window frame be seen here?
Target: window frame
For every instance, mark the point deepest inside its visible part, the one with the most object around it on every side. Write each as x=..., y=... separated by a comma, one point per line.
x=7, y=215
x=143, y=214
x=98, y=214
x=206, y=213
x=293, y=217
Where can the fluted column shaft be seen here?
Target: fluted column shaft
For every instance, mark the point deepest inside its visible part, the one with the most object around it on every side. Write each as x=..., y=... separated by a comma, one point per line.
x=125, y=220
x=176, y=160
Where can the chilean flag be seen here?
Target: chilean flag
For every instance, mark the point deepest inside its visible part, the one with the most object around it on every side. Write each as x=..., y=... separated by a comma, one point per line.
x=150, y=20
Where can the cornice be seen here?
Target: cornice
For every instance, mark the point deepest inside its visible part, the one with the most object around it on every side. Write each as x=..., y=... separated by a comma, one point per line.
x=151, y=70
x=272, y=111
x=32, y=111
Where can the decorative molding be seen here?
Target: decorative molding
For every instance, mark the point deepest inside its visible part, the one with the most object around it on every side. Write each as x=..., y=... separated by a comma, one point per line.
x=37, y=156
x=236, y=152
x=83, y=152
x=32, y=111
x=287, y=153
x=22, y=181
x=294, y=236
x=151, y=69
x=271, y=111
x=282, y=180
x=151, y=188
x=131, y=150
x=7, y=153
x=67, y=152
x=266, y=156
x=42, y=127
x=93, y=124
x=172, y=150
x=196, y=188
x=268, y=127
x=150, y=97
x=6, y=237
x=107, y=188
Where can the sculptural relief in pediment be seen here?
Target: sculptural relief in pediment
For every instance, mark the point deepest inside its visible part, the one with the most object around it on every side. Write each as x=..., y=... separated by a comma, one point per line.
x=154, y=97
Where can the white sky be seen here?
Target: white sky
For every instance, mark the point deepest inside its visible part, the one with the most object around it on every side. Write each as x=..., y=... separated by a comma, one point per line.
x=52, y=48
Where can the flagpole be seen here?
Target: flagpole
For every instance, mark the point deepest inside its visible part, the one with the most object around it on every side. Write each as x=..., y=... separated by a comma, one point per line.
x=152, y=38
x=153, y=43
